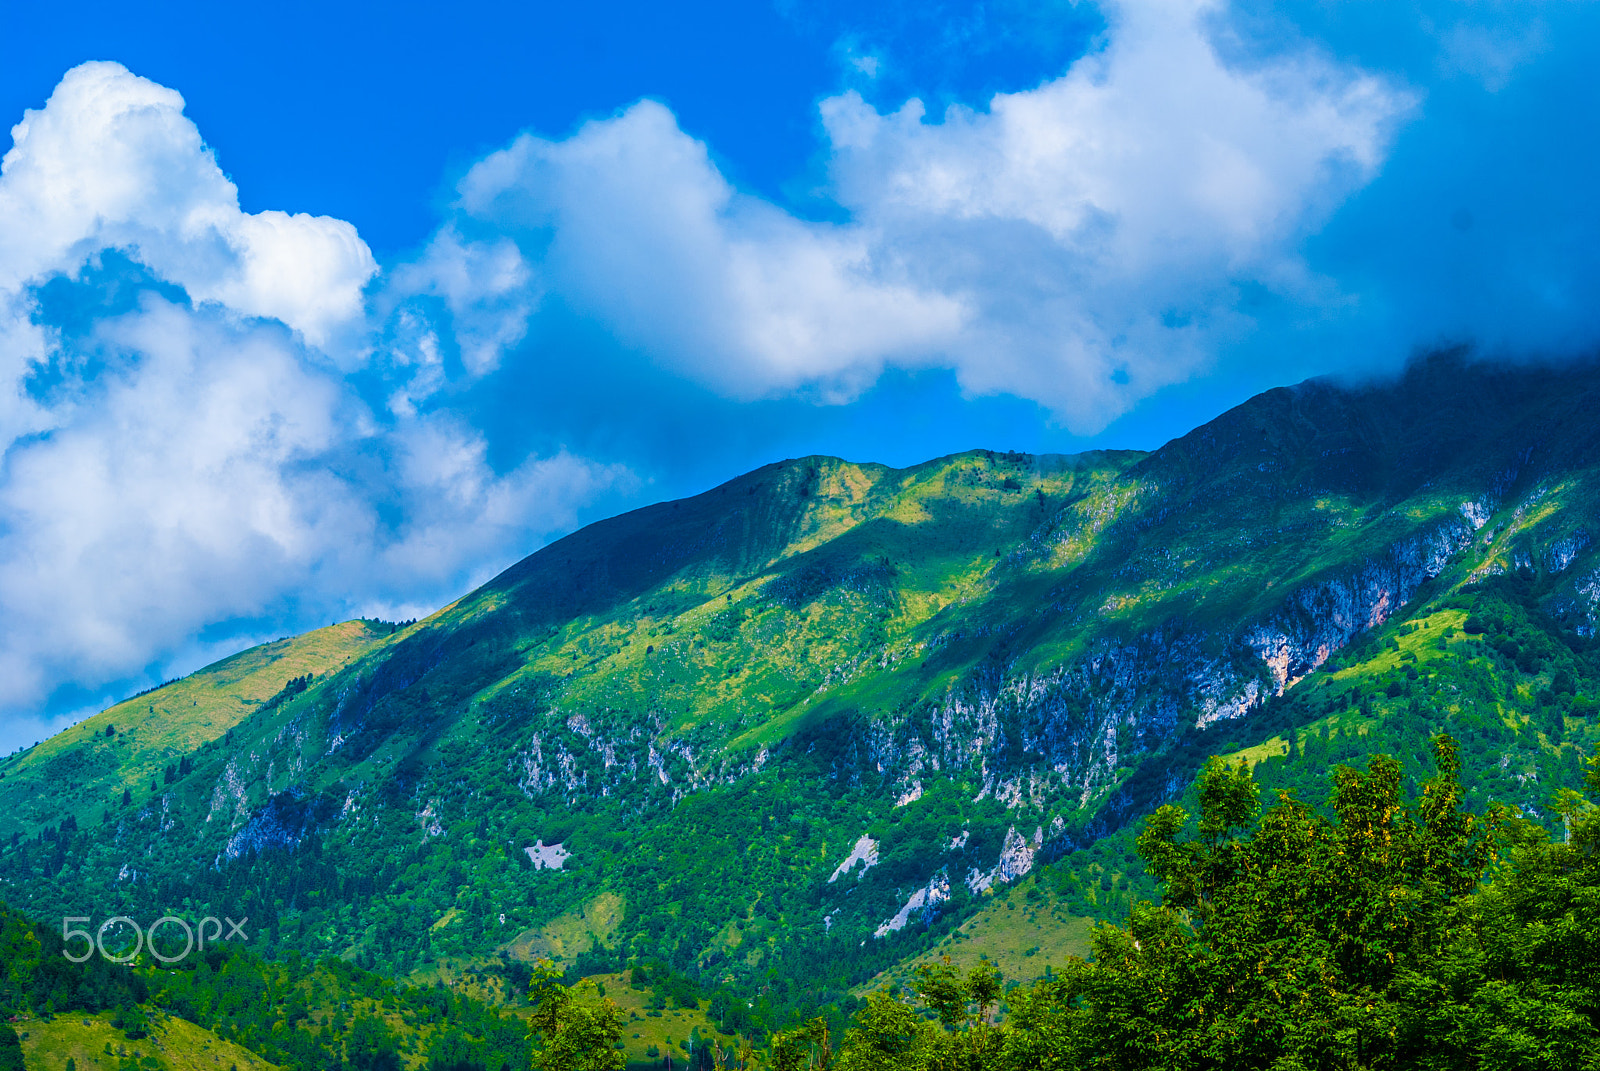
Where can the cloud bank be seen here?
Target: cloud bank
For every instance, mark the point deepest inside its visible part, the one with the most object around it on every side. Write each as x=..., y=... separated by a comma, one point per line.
x=1080, y=244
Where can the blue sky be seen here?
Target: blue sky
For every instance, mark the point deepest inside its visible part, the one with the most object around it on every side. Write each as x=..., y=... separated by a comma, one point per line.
x=318, y=310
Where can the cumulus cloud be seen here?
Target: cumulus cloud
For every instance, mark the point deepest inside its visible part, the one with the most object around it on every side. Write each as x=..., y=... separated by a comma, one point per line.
x=172, y=492
x=199, y=453
x=111, y=162
x=1080, y=244
x=633, y=224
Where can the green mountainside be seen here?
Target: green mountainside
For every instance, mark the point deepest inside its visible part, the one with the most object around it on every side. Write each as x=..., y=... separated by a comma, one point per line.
x=776, y=741
x=128, y=747
x=221, y=1006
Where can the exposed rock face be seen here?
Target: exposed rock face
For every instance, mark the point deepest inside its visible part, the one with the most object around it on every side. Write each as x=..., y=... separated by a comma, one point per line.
x=1563, y=552
x=541, y=772
x=230, y=799
x=865, y=853
x=1588, y=591
x=1071, y=723
x=922, y=903
x=1016, y=860
x=279, y=825
x=579, y=758
x=1319, y=619
x=428, y=818
x=542, y=855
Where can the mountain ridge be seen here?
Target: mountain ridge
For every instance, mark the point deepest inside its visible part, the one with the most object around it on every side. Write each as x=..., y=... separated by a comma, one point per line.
x=985, y=665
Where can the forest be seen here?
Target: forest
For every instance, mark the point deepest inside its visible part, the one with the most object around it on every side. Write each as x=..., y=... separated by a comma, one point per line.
x=1388, y=933
x=1384, y=930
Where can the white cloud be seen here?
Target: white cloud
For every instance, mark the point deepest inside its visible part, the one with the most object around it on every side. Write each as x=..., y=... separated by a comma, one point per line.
x=182, y=464
x=634, y=225
x=168, y=495
x=216, y=471
x=111, y=162
x=487, y=286
x=1079, y=243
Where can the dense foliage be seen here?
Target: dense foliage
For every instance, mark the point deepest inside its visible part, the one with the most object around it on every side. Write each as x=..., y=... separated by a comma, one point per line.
x=298, y=1014
x=1382, y=933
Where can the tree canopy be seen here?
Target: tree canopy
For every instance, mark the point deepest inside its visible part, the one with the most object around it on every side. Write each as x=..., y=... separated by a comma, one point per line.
x=1378, y=932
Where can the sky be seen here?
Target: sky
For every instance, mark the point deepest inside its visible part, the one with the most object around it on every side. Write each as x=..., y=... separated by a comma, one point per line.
x=315, y=311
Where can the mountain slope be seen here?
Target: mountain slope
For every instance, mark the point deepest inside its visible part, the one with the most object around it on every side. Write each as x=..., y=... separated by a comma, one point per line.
x=221, y=1006
x=92, y=1041
x=82, y=771
x=946, y=675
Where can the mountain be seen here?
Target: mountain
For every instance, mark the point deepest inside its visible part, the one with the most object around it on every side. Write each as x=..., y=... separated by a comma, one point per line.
x=779, y=736
x=130, y=745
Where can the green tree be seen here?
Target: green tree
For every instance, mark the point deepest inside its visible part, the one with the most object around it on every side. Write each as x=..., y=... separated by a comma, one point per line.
x=1296, y=939
x=888, y=1035
x=807, y=1046
x=370, y=1046
x=132, y=1021
x=941, y=989
x=454, y=1051
x=983, y=988
x=10, y=1049
x=570, y=1034
x=1526, y=992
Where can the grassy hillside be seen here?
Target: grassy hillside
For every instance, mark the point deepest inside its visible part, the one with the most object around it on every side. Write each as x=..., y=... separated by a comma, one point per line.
x=655, y=1024
x=91, y=1042
x=1025, y=931
x=82, y=772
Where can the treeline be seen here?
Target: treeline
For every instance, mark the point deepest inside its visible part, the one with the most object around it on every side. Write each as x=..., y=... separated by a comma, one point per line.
x=1382, y=933
x=378, y=624
x=291, y=688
